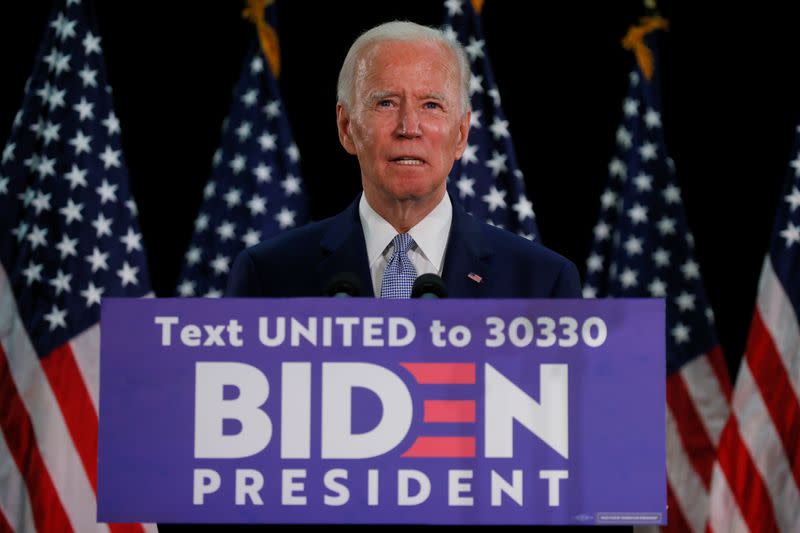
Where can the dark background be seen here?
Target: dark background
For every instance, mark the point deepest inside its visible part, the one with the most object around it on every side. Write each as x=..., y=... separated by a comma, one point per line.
x=730, y=110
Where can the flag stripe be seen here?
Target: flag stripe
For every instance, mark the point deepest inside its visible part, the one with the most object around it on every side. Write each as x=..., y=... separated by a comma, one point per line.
x=704, y=390
x=763, y=442
x=744, y=480
x=781, y=320
x=692, y=431
x=724, y=516
x=76, y=406
x=687, y=487
x=717, y=361
x=15, y=505
x=52, y=436
x=85, y=347
x=48, y=511
x=675, y=519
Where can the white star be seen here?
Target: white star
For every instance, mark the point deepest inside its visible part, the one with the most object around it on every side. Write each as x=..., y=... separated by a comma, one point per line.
x=634, y=78
x=217, y=159
x=624, y=138
x=102, y=225
x=499, y=128
x=32, y=273
x=608, y=199
x=132, y=240
x=630, y=107
x=213, y=293
x=57, y=318
x=56, y=99
x=449, y=33
x=594, y=263
x=589, y=292
x=91, y=44
x=220, y=264
x=643, y=182
x=601, y=231
x=193, y=255
x=85, y=109
x=661, y=257
x=65, y=28
x=495, y=199
x=46, y=167
x=238, y=163
x=672, y=194
x=291, y=185
x=524, y=208
x=111, y=123
x=273, y=109
x=637, y=213
x=690, y=269
x=244, y=131
x=293, y=153
x=263, y=173
x=3, y=185
x=233, y=197
x=62, y=64
x=201, y=223
x=107, y=192
x=131, y=205
x=92, y=294
x=71, y=212
x=495, y=94
x=27, y=197
x=475, y=48
x=81, y=143
x=793, y=198
x=61, y=282
x=465, y=185
x=8, y=152
x=257, y=205
x=37, y=236
x=497, y=163
x=475, y=84
x=453, y=7
x=647, y=151
x=88, y=76
x=127, y=274
x=41, y=202
x=633, y=245
x=67, y=246
x=50, y=133
x=685, y=301
x=186, y=288
x=658, y=289
x=251, y=238
x=469, y=155
x=680, y=333
x=617, y=168
x=666, y=226
x=652, y=118
x=256, y=65
x=250, y=98
x=475, y=119
x=76, y=177
x=791, y=234
x=20, y=231
x=209, y=190
x=226, y=230
x=285, y=218
x=110, y=157
x=628, y=278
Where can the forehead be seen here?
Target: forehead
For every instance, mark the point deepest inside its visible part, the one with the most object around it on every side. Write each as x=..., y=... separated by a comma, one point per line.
x=402, y=64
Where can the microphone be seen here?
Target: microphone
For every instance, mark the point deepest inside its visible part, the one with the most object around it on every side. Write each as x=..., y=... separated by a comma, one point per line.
x=429, y=286
x=344, y=285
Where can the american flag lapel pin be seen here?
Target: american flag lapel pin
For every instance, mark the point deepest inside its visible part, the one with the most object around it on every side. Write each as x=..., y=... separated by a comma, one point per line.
x=475, y=277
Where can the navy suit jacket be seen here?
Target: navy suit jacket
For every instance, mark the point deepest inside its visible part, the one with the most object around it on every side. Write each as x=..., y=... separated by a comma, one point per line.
x=302, y=261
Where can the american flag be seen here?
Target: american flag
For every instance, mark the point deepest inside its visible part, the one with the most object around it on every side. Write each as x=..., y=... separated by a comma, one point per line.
x=486, y=179
x=756, y=484
x=255, y=190
x=68, y=237
x=643, y=248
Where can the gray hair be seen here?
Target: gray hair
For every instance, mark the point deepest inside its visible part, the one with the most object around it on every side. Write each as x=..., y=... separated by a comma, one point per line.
x=399, y=31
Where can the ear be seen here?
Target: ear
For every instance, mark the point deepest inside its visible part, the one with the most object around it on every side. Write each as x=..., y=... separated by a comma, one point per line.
x=343, y=125
x=463, y=134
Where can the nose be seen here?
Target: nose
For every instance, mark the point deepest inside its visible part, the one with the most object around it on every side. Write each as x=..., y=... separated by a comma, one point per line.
x=408, y=124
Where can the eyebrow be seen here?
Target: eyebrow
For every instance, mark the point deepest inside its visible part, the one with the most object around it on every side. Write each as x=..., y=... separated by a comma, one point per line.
x=380, y=95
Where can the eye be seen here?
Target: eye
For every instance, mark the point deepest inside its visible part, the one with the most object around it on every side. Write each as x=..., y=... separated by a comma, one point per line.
x=385, y=103
x=432, y=105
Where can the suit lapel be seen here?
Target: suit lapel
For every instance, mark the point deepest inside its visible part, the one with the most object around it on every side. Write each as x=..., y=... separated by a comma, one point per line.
x=466, y=260
x=344, y=250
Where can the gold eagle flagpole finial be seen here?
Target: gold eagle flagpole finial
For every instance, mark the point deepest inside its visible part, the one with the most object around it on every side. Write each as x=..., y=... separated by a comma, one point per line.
x=634, y=41
x=267, y=35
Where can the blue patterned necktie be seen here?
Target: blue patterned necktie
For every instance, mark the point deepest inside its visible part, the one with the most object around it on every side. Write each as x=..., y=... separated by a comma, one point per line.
x=399, y=276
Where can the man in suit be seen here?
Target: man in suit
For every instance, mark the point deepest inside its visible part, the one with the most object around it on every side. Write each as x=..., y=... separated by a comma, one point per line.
x=403, y=111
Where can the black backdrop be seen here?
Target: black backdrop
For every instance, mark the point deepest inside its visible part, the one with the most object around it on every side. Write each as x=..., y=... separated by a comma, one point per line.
x=730, y=110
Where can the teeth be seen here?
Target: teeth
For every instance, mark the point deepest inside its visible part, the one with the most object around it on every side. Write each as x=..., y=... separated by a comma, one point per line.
x=408, y=161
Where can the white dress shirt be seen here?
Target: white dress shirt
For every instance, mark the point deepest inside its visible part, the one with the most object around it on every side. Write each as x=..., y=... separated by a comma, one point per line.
x=430, y=240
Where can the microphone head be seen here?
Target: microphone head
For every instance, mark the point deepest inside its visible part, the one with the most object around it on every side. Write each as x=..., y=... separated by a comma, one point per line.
x=343, y=285
x=429, y=286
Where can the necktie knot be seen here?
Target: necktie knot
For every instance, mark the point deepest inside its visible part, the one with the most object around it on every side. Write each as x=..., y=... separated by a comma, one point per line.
x=399, y=275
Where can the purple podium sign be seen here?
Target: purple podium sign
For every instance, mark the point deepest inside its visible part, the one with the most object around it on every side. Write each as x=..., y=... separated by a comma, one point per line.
x=382, y=411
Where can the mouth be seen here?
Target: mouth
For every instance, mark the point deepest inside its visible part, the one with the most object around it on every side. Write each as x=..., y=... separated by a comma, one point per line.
x=408, y=161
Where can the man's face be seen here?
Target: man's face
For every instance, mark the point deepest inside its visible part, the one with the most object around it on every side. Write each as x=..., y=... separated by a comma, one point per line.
x=406, y=124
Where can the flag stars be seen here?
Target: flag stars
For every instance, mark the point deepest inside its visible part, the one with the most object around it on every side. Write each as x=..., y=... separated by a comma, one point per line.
x=495, y=198
x=67, y=246
x=37, y=236
x=50, y=132
x=263, y=173
x=233, y=197
x=257, y=205
x=453, y=7
x=601, y=231
x=251, y=238
x=470, y=154
x=88, y=76
x=666, y=226
x=76, y=177
x=98, y=260
x=475, y=84
x=291, y=185
x=84, y=109
x=594, y=263
x=256, y=65
x=661, y=257
x=633, y=246
x=497, y=163
x=132, y=240
x=61, y=282
x=220, y=264
x=617, y=168
x=680, y=333
x=92, y=294
x=475, y=48
x=217, y=158
x=201, y=223
x=608, y=199
x=630, y=107
x=499, y=128
x=209, y=190
x=238, y=163
x=293, y=153
x=226, y=230
x=657, y=288
x=589, y=292
x=244, y=131
x=32, y=273
x=213, y=293
x=643, y=182
x=91, y=44
x=111, y=122
x=628, y=278
x=64, y=27
x=465, y=186
x=793, y=198
x=127, y=274
x=273, y=109
x=691, y=270
x=193, y=255
x=652, y=118
x=56, y=99
x=110, y=158
x=46, y=167
x=524, y=208
x=475, y=119
x=3, y=185
x=81, y=143
x=8, y=152
x=672, y=194
x=267, y=141
x=495, y=96
x=250, y=98
x=449, y=33
x=102, y=225
x=20, y=231
x=41, y=202
x=637, y=214
x=57, y=318
x=285, y=218
x=791, y=233
x=795, y=164
x=186, y=288
x=648, y=151
x=624, y=138
x=685, y=301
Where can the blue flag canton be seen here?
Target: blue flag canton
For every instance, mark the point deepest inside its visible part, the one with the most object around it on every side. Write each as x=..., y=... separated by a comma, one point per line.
x=785, y=247
x=487, y=179
x=69, y=235
x=255, y=191
x=642, y=243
